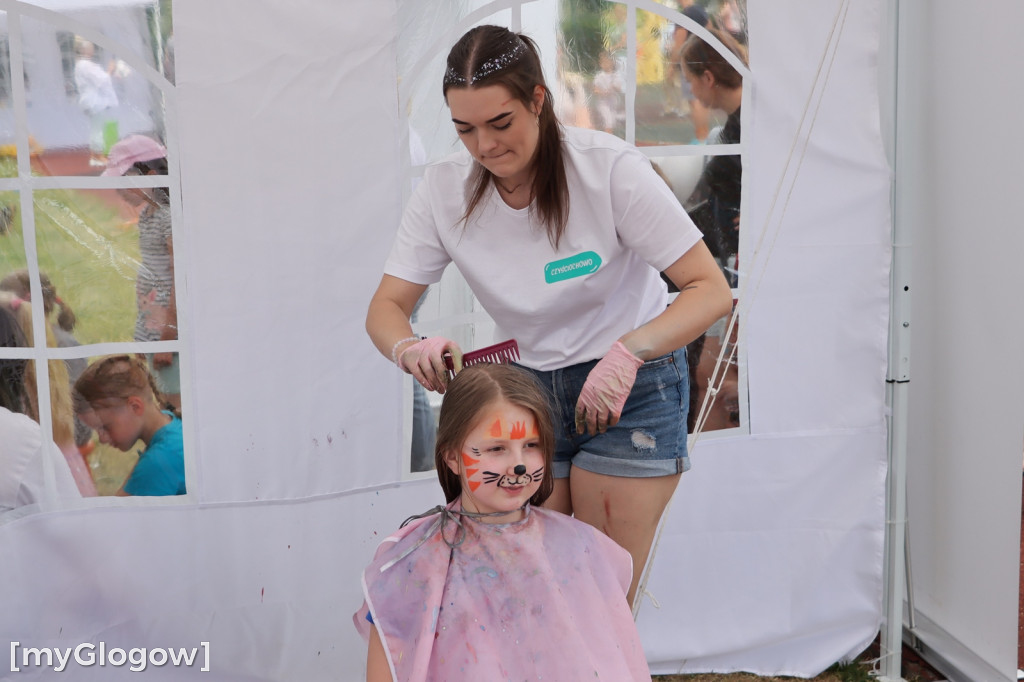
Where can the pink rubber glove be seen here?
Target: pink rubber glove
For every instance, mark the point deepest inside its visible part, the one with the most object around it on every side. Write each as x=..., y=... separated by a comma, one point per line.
x=425, y=362
x=606, y=389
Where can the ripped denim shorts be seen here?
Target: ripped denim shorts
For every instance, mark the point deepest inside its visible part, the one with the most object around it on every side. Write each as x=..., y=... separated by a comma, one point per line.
x=650, y=438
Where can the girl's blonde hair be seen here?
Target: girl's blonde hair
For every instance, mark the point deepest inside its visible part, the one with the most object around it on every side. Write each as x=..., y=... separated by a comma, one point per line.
x=116, y=378
x=61, y=414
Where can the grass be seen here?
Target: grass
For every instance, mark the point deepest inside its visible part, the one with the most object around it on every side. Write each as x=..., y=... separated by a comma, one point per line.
x=89, y=253
x=862, y=669
x=855, y=671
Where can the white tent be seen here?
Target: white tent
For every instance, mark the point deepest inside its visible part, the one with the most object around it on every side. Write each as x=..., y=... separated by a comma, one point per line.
x=289, y=150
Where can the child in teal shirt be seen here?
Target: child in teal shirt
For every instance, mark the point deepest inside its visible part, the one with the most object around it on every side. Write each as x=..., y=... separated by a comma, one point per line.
x=118, y=397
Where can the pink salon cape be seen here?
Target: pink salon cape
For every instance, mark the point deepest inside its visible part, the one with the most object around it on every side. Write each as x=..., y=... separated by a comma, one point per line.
x=540, y=599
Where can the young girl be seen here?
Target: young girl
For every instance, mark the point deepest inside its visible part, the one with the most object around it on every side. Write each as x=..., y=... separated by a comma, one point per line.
x=18, y=283
x=22, y=472
x=96, y=96
x=154, y=286
x=62, y=417
x=493, y=586
x=118, y=397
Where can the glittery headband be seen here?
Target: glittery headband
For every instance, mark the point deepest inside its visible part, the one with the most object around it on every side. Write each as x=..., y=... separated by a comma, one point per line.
x=516, y=49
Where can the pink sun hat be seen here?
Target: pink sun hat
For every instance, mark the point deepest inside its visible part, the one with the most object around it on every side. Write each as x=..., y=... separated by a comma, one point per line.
x=129, y=151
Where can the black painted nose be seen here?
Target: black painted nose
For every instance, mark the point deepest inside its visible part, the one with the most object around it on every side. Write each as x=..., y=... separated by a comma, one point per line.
x=519, y=470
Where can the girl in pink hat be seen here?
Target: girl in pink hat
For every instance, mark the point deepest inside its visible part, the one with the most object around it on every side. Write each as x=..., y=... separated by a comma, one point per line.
x=154, y=285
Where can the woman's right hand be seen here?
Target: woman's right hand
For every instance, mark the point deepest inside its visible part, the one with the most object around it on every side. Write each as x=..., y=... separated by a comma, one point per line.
x=424, y=360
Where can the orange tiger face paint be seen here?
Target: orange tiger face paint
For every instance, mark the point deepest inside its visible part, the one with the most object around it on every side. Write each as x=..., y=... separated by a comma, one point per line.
x=501, y=463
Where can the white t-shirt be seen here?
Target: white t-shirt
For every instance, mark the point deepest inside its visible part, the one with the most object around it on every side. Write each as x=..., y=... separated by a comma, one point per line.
x=566, y=306
x=21, y=463
x=95, y=87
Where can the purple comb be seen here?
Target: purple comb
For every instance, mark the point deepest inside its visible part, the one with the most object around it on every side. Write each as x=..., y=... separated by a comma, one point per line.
x=501, y=353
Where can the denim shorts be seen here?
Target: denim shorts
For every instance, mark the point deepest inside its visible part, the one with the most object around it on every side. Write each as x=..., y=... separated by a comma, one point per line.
x=649, y=439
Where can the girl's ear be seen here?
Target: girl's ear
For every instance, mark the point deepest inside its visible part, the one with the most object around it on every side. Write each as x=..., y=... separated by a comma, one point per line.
x=136, y=404
x=451, y=458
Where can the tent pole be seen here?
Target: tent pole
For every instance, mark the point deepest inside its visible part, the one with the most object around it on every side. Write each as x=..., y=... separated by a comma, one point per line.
x=896, y=578
x=911, y=621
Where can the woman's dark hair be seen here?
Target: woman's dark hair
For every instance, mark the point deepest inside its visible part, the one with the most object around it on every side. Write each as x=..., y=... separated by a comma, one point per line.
x=493, y=55
x=697, y=57
x=12, y=370
x=468, y=394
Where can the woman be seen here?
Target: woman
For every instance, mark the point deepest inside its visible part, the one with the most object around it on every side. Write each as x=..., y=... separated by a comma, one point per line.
x=561, y=234
x=718, y=85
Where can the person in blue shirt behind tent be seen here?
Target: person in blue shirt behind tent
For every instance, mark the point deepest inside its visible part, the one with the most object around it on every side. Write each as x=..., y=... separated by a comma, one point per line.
x=118, y=397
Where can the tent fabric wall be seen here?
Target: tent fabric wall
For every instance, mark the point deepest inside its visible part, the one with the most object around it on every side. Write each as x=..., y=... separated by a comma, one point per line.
x=958, y=189
x=772, y=552
x=271, y=587
x=291, y=192
x=289, y=142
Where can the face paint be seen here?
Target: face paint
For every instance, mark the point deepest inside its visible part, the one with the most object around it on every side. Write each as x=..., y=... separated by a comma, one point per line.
x=471, y=464
x=517, y=479
x=501, y=463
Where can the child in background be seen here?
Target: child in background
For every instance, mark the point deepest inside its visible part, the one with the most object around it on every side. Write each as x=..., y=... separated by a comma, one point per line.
x=154, y=285
x=118, y=397
x=492, y=584
x=96, y=96
x=608, y=91
x=17, y=282
x=62, y=417
x=22, y=471
x=13, y=393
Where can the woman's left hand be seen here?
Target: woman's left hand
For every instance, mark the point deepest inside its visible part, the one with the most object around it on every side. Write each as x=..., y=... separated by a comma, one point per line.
x=606, y=389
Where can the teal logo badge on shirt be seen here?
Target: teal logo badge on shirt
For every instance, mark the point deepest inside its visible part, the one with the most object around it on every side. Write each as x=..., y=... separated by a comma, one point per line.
x=573, y=266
